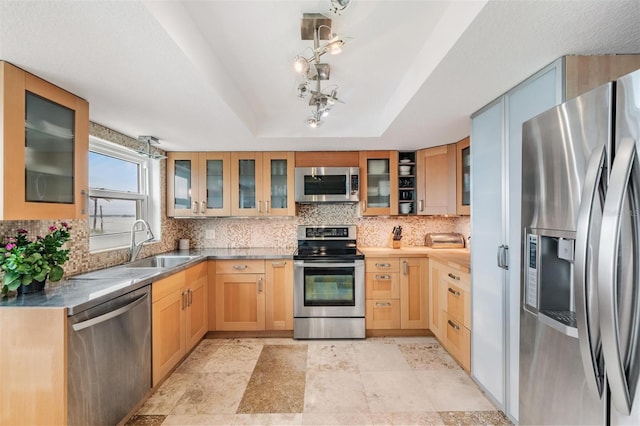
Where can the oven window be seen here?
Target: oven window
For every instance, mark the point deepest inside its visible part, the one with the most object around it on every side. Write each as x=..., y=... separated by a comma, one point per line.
x=329, y=287
x=325, y=185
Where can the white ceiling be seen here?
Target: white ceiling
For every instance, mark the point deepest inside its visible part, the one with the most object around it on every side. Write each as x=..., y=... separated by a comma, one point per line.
x=217, y=75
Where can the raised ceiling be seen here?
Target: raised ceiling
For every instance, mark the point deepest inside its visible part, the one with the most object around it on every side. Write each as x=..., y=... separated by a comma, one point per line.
x=217, y=75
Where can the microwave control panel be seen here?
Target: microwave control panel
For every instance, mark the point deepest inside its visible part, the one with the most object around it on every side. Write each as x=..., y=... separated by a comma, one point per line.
x=354, y=184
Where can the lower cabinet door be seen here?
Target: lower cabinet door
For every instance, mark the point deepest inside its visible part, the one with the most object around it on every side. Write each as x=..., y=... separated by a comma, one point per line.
x=382, y=314
x=414, y=293
x=196, y=312
x=240, y=302
x=168, y=334
x=279, y=295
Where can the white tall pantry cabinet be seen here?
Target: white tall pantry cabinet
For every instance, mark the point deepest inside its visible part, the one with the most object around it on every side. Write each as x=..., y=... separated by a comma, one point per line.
x=496, y=162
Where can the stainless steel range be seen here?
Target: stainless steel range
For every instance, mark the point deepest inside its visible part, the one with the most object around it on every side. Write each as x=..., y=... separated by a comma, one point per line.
x=328, y=284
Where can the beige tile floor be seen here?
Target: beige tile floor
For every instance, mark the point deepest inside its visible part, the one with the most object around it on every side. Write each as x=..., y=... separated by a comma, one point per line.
x=377, y=381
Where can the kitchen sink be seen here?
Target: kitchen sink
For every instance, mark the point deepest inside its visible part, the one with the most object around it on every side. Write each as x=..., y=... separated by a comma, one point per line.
x=161, y=261
x=117, y=272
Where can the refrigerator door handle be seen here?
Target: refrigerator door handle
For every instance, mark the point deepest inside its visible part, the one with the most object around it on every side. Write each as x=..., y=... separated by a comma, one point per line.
x=589, y=344
x=501, y=257
x=622, y=393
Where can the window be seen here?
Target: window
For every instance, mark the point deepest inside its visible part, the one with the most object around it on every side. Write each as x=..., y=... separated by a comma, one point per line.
x=121, y=190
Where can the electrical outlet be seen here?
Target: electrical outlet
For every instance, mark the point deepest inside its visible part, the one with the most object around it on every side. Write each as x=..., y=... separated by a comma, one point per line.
x=210, y=234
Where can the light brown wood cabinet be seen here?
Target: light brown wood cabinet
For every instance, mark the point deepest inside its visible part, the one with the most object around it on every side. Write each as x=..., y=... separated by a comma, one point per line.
x=414, y=289
x=45, y=138
x=198, y=184
x=382, y=293
x=450, y=319
x=262, y=184
x=33, y=352
x=378, y=183
x=179, y=317
x=437, y=180
x=212, y=184
x=396, y=292
x=254, y=295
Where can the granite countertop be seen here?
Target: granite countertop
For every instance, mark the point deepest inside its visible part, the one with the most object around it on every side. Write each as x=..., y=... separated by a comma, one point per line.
x=89, y=289
x=458, y=258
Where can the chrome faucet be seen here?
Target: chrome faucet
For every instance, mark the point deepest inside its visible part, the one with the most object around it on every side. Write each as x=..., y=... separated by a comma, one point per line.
x=135, y=248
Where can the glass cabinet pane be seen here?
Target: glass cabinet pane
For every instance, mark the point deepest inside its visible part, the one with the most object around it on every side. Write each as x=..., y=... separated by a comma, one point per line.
x=215, y=179
x=182, y=184
x=49, y=151
x=278, y=184
x=247, y=184
x=378, y=182
x=466, y=177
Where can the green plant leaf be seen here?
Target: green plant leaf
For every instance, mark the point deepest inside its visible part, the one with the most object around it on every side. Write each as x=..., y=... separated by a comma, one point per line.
x=56, y=273
x=40, y=276
x=10, y=277
x=26, y=279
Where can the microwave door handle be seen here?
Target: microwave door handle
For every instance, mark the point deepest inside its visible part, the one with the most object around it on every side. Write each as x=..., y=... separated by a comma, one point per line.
x=608, y=275
x=581, y=278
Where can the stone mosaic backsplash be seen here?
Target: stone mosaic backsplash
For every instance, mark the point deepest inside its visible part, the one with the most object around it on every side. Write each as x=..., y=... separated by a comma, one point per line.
x=281, y=232
x=235, y=232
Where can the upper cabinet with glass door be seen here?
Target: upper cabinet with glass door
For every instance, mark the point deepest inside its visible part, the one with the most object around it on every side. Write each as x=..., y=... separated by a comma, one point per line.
x=262, y=184
x=463, y=183
x=45, y=141
x=379, y=185
x=198, y=184
x=278, y=183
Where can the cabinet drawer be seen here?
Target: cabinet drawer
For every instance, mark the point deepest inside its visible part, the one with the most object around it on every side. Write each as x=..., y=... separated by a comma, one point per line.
x=168, y=285
x=382, y=265
x=458, y=342
x=382, y=285
x=382, y=314
x=241, y=266
x=459, y=304
x=457, y=277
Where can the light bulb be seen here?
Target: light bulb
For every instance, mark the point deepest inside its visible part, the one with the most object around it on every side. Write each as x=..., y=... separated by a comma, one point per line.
x=325, y=113
x=312, y=122
x=301, y=65
x=335, y=47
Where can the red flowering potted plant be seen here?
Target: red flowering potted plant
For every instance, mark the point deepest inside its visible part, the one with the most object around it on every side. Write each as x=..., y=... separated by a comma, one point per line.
x=27, y=263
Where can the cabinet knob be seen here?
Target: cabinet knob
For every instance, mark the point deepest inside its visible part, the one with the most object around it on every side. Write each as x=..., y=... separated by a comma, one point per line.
x=405, y=267
x=383, y=277
x=453, y=325
x=240, y=267
x=383, y=265
x=278, y=264
x=203, y=207
x=260, y=285
x=194, y=208
x=454, y=292
x=266, y=206
x=453, y=277
x=383, y=304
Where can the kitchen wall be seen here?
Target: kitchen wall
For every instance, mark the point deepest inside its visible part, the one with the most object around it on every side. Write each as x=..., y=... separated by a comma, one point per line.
x=372, y=231
x=235, y=232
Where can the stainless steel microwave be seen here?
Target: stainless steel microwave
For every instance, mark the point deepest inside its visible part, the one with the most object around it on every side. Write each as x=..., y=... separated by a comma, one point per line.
x=327, y=184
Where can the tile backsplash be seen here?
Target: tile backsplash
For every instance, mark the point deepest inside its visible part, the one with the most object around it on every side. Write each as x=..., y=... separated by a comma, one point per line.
x=236, y=232
x=281, y=232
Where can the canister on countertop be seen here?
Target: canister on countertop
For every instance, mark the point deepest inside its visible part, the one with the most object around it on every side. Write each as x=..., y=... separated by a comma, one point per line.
x=183, y=244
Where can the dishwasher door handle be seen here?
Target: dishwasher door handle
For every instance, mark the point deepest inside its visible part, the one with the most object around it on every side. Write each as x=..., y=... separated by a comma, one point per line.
x=112, y=314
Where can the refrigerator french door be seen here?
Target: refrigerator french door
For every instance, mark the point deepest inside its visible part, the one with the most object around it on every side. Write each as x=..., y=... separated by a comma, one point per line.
x=580, y=305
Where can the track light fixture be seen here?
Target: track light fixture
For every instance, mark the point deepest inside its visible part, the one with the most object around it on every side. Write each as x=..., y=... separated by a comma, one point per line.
x=317, y=27
x=146, y=149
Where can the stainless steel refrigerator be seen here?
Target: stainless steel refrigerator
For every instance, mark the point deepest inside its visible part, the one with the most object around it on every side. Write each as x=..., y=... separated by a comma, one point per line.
x=580, y=286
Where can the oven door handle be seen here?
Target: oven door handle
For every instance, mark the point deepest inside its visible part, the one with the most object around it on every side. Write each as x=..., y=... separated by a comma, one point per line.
x=326, y=264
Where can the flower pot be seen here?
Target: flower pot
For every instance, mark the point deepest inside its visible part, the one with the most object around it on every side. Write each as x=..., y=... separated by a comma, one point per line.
x=34, y=287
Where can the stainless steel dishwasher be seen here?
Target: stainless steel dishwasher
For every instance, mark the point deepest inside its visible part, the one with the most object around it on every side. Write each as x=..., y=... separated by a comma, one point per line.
x=109, y=350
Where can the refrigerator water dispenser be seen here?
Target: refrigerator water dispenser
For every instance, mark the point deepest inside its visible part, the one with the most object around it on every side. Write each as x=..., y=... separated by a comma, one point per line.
x=549, y=281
